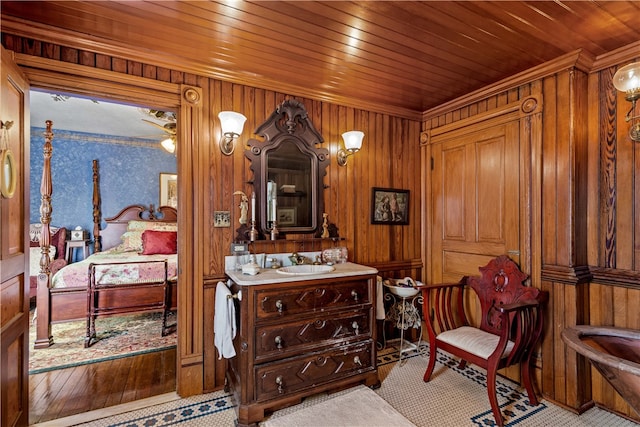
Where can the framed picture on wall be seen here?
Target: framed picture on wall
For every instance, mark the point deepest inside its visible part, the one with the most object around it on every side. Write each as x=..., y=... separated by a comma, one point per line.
x=389, y=206
x=169, y=189
x=287, y=216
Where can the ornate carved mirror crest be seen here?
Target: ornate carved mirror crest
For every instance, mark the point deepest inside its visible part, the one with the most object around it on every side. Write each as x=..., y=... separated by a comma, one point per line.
x=288, y=170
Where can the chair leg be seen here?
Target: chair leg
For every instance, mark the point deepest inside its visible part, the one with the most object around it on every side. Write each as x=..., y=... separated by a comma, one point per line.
x=527, y=374
x=433, y=350
x=493, y=398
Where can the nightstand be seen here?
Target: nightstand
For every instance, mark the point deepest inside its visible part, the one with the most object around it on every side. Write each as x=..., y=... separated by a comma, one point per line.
x=72, y=245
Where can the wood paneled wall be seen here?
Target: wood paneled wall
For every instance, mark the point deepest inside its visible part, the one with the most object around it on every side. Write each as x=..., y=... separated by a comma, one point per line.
x=389, y=158
x=613, y=216
x=583, y=218
x=583, y=221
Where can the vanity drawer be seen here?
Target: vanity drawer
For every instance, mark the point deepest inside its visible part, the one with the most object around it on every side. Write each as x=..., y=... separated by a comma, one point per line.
x=283, y=340
x=275, y=380
x=278, y=302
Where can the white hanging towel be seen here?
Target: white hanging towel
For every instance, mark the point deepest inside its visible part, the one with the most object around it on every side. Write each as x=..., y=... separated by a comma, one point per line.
x=224, y=322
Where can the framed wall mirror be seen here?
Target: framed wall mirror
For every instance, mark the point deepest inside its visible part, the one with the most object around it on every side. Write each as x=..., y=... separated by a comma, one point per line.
x=288, y=170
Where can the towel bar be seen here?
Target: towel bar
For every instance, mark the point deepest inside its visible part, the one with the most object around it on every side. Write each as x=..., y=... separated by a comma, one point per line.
x=237, y=296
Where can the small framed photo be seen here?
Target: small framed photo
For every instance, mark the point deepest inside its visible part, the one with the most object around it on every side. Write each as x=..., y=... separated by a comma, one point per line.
x=389, y=206
x=287, y=216
x=169, y=189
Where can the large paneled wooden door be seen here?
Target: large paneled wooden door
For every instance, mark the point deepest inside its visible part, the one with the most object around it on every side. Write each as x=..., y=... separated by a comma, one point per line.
x=14, y=283
x=475, y=200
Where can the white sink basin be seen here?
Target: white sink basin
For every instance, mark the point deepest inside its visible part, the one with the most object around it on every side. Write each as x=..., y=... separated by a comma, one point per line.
x=403, y=291
x=305, y=269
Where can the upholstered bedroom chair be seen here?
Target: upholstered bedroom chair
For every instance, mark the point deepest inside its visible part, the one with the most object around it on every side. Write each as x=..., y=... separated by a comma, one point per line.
x=508, y=323
x=56, y=252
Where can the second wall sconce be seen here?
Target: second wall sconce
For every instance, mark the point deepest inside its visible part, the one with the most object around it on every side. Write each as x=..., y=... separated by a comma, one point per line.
x=352, y=144
x=231, y=124
x=627, y=80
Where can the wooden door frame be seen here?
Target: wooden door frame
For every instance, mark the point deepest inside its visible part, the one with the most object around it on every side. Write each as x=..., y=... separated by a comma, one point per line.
x=187, y=101
x=528, y=113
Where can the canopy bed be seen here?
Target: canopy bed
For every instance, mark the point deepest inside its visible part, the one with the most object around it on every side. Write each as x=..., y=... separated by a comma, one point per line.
x=133, y=268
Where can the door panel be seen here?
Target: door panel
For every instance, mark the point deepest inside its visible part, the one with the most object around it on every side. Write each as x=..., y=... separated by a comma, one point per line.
x=475, y=190
x=14, y=292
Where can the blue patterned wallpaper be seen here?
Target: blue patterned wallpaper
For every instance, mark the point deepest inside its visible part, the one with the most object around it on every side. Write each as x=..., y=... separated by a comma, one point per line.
x=129, y=174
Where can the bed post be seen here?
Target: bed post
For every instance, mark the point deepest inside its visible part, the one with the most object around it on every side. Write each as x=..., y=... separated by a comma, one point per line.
x=97, y=214
x=43, y=327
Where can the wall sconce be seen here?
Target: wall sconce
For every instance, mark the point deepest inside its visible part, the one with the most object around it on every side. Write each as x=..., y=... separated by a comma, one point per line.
x=169, y=144
x=627, y=80
x=352, y=144
x=231, y=124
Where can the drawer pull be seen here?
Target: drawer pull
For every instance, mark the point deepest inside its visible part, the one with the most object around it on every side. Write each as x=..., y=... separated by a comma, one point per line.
x=280, y=383
x=279, y=306
x=278, y=341
x=356, y=328
x=357, y=361
x=355, y=295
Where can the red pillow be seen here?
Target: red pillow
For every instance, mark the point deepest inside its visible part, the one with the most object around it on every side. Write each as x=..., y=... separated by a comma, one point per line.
x=159, y=242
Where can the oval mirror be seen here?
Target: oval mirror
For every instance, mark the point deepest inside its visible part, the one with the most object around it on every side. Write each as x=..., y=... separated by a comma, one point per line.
x=288, y=171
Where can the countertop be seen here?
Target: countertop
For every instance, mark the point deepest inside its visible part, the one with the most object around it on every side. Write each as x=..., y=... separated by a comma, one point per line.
x=270, y=275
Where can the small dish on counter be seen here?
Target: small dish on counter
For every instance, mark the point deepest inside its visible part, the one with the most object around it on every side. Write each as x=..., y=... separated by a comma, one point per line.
x=251, y=268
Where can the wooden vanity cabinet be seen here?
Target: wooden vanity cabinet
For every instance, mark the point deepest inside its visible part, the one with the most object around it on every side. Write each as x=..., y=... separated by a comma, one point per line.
x=299, y=338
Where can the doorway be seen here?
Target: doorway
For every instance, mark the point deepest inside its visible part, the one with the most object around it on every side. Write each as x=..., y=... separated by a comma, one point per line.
x=131, y=163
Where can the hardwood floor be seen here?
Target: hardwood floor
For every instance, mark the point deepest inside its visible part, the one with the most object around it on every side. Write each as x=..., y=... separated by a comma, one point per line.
x=76, y=390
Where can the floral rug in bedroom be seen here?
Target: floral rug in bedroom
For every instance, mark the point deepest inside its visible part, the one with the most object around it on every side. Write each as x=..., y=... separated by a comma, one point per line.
x=118, y=336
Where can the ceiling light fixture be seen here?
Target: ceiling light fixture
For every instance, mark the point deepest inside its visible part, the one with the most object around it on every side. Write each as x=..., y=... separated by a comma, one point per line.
x=627, y=80
x=352, y=144
x=231, y=124
x=169, y=144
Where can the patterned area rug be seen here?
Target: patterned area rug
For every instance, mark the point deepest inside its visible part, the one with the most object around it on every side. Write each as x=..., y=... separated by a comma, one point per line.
x=453, y=397
x=118, y=336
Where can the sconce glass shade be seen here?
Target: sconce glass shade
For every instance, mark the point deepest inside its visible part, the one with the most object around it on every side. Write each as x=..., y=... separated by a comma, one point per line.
x=169, y=144
x=353, y=140
x=232, y=124
x=627, y=80
x=352, y=144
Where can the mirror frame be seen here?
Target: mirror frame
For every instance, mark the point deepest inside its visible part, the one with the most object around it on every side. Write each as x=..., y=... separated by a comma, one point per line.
x=289, y=123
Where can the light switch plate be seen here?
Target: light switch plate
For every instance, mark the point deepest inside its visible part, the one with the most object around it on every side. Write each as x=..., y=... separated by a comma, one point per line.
x=222, y=219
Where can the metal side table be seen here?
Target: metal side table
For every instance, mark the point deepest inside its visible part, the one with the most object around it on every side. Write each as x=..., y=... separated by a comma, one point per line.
x=405, y=314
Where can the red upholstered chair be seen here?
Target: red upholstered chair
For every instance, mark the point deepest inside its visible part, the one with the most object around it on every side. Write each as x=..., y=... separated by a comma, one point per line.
x=509, y=325
x=58, y=241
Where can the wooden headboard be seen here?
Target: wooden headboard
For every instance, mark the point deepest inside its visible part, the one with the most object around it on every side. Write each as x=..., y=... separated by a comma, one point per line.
x=117, y=225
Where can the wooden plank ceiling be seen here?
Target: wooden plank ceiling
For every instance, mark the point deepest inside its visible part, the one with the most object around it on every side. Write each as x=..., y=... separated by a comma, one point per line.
x=403, y=57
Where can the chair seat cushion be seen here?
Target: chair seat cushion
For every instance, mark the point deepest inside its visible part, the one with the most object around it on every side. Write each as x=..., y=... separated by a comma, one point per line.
x=474, y=341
